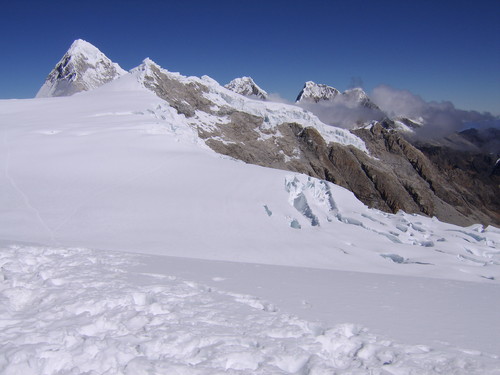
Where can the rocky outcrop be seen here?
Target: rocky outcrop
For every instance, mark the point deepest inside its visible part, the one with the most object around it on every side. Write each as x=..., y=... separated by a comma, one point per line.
x=185, y=97
x=473, y=176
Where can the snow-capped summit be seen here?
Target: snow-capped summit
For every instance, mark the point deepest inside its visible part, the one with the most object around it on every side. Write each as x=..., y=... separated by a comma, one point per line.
x=315, y=92
x=83, y=67
x=247, y=87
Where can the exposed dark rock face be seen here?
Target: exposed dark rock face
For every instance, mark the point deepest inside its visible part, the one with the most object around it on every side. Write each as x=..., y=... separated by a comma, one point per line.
x=185, y=98
x=473, y=175
x=486, y=140
x=454, y=195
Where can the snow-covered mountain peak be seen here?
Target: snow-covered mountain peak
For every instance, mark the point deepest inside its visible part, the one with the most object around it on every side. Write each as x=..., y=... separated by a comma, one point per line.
x=86, y=50
x=315, y=92
x=356, y=97
x=147, y=62
x=247, y=87
x=83, y=67
x=356, y=93
x=145, y=68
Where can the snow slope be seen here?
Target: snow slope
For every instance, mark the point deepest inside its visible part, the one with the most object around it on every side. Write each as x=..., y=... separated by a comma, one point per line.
x=117, y=169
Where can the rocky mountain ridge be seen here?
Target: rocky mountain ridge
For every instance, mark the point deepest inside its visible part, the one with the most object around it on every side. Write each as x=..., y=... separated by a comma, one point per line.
x=382, y=168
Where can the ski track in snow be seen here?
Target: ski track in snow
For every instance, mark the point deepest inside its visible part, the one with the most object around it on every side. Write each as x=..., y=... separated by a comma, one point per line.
x=23, y=195
x=94, y=194
x=74, y=311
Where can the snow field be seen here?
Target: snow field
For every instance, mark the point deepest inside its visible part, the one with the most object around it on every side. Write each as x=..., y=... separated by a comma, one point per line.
x=74, y=311
x=118, y=169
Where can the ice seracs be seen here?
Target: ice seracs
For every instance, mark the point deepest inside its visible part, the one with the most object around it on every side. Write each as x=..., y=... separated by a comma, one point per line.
x=247, y=87
x=82, y=68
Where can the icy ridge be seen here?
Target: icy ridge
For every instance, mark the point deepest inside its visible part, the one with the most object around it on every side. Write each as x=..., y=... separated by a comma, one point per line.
x=273, y=113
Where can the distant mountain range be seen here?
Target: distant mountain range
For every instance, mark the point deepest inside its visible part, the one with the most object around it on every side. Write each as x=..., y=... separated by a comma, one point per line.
x=377, y=158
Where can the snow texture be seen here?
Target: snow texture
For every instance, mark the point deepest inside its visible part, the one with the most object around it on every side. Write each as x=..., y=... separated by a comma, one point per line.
x=93, y=314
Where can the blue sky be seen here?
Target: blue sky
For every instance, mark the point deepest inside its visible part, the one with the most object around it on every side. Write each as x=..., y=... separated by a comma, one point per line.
x=439, y=50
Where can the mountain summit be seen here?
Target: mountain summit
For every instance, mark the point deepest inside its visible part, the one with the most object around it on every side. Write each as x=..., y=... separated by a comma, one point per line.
x=247, y=87
x=83, y=67
x=358, y=97
x=316, y=92
x=352, y=98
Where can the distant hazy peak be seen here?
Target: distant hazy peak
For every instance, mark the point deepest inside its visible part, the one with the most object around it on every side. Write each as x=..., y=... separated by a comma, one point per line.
x=247, y=87
x=315, y=92
x=357, y=96
x=83, y=67
x=356, y=93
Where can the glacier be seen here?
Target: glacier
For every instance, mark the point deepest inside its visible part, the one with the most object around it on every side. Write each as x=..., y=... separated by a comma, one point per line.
x=128, y=246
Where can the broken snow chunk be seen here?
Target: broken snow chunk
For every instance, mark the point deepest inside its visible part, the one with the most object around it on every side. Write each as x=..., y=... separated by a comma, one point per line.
x=268, y=211
x=295, y=224
x=394, y=257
